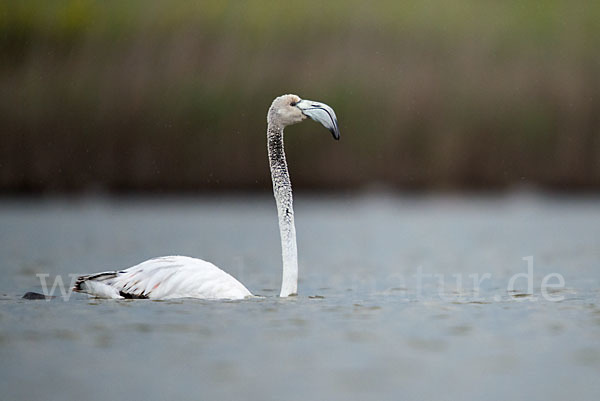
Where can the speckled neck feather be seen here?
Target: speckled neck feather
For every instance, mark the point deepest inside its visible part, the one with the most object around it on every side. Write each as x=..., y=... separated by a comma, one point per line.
x=282, y=189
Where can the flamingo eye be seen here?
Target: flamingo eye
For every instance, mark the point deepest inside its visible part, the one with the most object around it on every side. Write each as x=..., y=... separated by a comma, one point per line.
x=293, y=104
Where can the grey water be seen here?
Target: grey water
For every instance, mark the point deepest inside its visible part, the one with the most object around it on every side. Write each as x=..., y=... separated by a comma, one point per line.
x=388, y=307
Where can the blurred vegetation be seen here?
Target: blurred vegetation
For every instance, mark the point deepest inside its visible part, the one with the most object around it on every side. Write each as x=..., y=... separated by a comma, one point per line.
x=172, y=95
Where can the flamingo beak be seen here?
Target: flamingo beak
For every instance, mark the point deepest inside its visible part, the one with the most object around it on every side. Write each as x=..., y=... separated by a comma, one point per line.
x=321, y=113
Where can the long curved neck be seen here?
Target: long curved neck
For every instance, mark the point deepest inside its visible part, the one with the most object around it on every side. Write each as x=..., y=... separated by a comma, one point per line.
x=282, y=189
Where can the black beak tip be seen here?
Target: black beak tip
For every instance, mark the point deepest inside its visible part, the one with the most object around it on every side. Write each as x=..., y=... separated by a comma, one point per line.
x=335, y=134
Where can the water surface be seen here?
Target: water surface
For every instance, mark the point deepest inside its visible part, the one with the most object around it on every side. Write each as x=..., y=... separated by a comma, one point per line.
x=361, y=327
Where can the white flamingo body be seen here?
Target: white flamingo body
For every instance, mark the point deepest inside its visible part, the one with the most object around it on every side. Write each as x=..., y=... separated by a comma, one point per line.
x=184, y=277
x=166, y=277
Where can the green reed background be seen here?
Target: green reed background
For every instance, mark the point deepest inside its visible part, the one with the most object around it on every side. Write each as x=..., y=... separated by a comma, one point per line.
x=172, y=95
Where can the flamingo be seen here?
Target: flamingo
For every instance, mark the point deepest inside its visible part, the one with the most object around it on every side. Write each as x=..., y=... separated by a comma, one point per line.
x=171, y=277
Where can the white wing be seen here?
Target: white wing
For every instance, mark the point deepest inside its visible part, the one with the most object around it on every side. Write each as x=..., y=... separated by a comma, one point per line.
x=164, y=278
